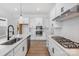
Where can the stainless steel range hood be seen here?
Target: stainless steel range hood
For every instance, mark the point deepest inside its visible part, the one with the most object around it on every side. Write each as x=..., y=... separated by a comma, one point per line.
x=71, y=13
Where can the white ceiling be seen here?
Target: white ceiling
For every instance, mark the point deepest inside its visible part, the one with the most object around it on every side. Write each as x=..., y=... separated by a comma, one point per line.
x=7, y=10
x=28, y=8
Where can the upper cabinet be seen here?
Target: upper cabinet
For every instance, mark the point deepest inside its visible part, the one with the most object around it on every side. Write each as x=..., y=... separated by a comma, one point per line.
x=62, y=11
x=56, y=11
x=3, y=22
x=60, y=8
x=52, y=13
x=3, y=27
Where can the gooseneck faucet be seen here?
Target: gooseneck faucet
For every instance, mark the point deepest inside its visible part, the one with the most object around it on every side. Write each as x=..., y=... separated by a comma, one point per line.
x=10, y=31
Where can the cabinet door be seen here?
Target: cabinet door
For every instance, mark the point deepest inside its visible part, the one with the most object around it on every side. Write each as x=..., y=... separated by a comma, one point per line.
x=58, y=9
x=25, y=46
x=57, y=51
x=50, y=48
x=3, y=22
x=10, y=53
x=19, y=50
x=52, y=13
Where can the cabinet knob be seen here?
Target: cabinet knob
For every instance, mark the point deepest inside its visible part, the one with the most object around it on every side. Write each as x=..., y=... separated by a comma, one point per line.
x=23, y=49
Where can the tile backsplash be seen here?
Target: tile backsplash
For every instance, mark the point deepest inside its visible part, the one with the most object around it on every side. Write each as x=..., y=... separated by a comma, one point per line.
x=70, y=29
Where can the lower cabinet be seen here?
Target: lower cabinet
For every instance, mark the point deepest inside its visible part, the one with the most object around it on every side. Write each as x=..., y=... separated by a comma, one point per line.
x=50, y=48
x=25, y=46
x=21, y=49
x=55, y=50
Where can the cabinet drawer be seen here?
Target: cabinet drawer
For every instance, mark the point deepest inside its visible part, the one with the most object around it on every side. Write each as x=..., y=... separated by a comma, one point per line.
x=56, y=50
x=19, y=50
x=59, y=52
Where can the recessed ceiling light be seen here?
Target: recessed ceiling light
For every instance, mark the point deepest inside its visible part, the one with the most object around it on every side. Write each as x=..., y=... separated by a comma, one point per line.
x=38, y=9
x=15, y=9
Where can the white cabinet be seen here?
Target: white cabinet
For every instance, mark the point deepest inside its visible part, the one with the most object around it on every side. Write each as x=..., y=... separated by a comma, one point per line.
x=3, y=22
x=20, y=49
x=52, y=13
x=56, y=11
x=50, y=48
x=10, y=53
x=55, y=50
x=25, y=46
x=60, y=8
x=63, y=7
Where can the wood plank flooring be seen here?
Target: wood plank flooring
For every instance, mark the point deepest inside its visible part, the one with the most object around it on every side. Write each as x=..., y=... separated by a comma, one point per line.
x=38, y=48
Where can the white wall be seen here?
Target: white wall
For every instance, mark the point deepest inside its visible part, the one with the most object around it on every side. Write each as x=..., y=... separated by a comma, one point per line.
x=35, y=21
x=38, y=20
x=46, y=24
x=8, y=16
x=70, y=29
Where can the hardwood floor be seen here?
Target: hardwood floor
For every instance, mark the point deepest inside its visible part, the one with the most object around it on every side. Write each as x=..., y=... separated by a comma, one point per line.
x=38, y=48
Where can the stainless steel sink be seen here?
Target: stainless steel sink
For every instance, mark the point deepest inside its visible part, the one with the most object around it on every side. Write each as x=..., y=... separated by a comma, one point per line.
x=10, y=42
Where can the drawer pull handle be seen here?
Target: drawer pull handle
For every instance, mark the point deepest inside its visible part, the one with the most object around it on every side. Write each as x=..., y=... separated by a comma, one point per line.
x=23, y=49
x=53, y=50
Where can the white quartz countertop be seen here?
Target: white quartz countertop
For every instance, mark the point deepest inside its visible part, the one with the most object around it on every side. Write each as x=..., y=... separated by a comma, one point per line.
x=70, y=52
x=4, y=49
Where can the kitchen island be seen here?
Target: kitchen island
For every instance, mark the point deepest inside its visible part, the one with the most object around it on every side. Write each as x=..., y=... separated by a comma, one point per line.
x=17, y=49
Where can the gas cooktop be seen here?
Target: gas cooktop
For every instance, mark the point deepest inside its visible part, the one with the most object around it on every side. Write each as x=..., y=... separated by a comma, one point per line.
x=66, y=43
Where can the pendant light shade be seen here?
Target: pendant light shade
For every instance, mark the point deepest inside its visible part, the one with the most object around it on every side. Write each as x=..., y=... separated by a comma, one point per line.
x=21, y=20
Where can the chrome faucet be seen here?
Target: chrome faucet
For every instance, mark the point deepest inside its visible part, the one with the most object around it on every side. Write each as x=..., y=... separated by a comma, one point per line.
x=10, y=31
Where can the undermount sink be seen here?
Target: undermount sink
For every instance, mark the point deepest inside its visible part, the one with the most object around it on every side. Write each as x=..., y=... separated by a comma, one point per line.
x=10, y=42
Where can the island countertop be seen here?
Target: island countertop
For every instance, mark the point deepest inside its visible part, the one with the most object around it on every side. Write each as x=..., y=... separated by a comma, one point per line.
x=4, y=49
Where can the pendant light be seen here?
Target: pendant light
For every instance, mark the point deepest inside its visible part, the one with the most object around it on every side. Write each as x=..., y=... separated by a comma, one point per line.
x=21, y=20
